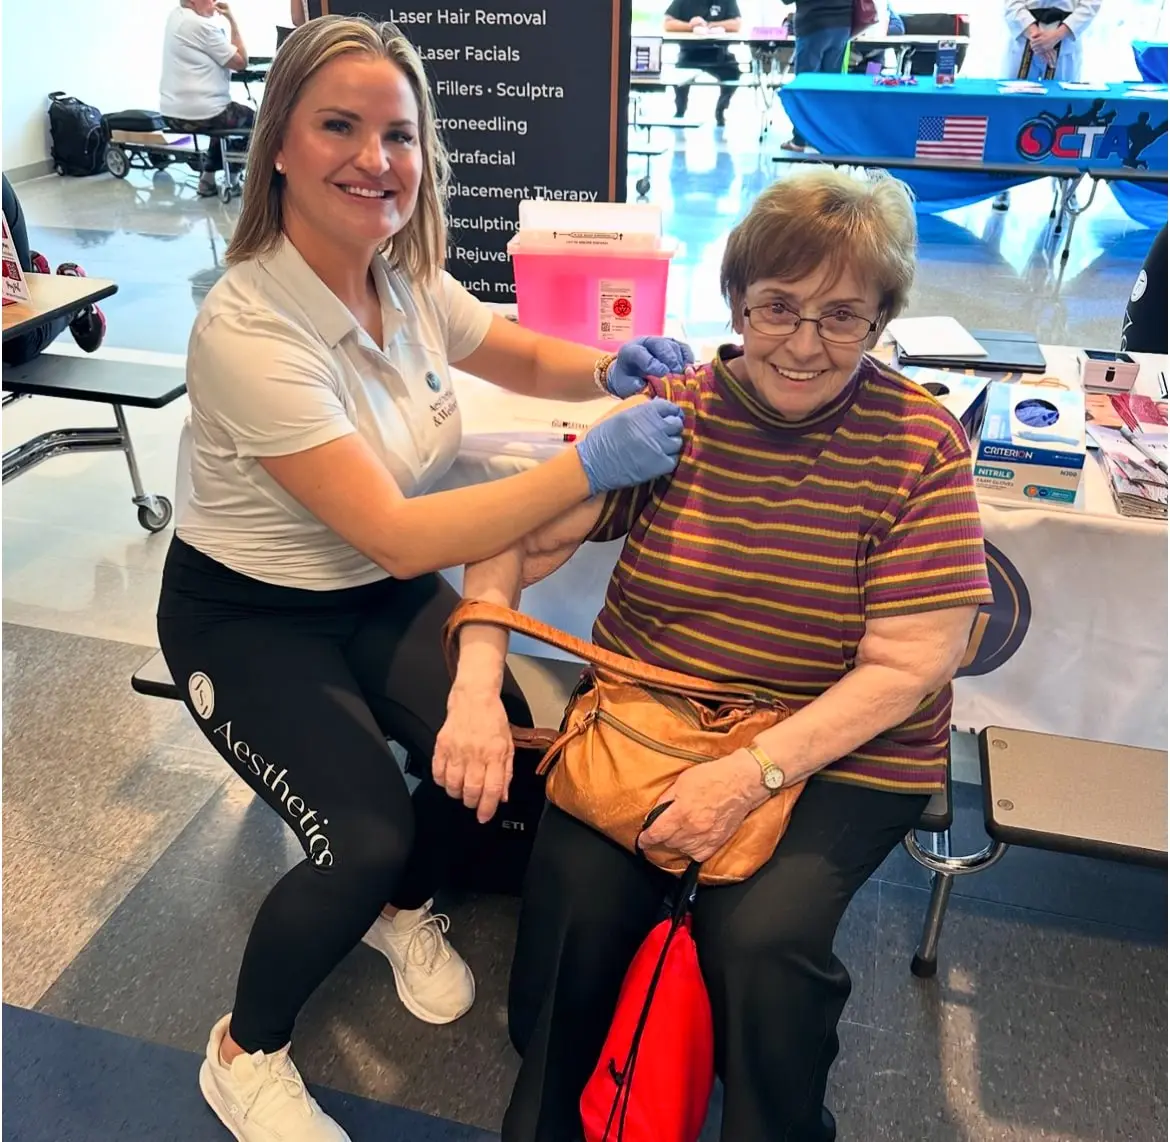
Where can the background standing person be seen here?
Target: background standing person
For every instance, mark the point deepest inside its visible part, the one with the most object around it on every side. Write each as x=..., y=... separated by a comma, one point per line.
x=1054, y=33
x=822, y=29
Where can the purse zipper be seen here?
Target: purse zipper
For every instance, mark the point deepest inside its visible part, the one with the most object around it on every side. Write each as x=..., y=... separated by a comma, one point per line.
x=649, y=743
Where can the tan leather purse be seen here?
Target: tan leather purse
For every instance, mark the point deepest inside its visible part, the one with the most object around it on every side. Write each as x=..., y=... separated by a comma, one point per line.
x=629, y=731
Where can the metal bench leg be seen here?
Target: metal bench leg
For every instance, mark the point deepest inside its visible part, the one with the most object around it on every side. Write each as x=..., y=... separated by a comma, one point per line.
x=944, y=868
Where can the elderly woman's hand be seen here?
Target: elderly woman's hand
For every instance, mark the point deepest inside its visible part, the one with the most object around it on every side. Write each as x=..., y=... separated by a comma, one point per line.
x=708, y=804
x=473, y=752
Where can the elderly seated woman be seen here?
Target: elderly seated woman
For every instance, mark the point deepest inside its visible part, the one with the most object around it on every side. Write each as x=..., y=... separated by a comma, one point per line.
x=820, y=539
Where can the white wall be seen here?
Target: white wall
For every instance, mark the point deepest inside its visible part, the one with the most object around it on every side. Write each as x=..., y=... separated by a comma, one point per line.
x=107, y=52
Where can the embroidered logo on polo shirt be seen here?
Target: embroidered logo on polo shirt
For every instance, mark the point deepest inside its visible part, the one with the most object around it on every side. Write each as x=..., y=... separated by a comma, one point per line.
x=433, y=382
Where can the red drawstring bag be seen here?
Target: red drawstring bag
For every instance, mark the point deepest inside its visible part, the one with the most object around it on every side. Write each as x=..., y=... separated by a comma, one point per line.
x=654, y=1079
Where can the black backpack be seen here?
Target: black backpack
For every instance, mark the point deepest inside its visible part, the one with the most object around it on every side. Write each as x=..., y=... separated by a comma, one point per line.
x=79, y=136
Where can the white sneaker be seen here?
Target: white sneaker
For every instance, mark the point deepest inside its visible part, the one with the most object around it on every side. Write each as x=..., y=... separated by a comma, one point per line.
x=262, y=1098
x=433, y=981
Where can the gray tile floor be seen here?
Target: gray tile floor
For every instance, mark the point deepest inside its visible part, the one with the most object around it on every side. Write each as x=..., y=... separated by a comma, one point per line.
x=133, y=862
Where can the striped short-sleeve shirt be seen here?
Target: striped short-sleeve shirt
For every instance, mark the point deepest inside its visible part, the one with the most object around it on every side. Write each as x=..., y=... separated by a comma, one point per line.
x=764, y=554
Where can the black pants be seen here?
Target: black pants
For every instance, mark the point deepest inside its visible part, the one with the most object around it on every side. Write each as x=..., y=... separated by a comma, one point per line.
x=723, y=68
x=298, y=690
x=765, y=946
x=233, y=115
x=1143, y=329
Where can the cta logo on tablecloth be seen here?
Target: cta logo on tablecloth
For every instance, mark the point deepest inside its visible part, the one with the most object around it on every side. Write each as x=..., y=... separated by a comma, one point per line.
x=1001, y=626
x=1092, y=134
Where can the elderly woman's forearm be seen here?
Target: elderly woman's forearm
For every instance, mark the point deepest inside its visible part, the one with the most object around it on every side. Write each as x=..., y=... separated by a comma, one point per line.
x=483, y=649
x=865, y=703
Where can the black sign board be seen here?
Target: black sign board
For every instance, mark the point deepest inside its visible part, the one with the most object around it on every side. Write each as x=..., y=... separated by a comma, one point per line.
x=532, y=98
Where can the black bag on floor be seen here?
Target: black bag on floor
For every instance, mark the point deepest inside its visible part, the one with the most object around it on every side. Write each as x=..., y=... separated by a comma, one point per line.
x=78, y=134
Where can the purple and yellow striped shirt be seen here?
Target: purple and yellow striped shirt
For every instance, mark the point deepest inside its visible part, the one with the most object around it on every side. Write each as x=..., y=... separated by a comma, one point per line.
x=761, y=558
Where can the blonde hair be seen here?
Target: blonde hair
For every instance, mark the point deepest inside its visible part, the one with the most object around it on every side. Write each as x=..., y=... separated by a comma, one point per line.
x=419, y=248
x=822, y=221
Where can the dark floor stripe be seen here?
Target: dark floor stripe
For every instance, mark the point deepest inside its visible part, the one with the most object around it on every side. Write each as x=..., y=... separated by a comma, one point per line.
x=67, y=1083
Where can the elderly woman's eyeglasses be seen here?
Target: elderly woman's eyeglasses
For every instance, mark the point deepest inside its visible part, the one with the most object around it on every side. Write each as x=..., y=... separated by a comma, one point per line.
x=841, y=327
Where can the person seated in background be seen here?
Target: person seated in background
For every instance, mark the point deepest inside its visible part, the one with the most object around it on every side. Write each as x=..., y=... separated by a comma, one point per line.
x=88, y=325
x=820, y=540
x=1143, y=330
x=195, y=90
x=702, y=17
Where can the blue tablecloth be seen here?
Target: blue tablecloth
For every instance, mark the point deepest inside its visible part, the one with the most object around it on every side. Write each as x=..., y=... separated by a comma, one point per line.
x=1151, y=60
x=974, y=119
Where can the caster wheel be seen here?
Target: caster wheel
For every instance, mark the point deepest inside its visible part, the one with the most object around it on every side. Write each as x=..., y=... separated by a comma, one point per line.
x=160, y=162
x=923, y=969
x=642, y=186
x=156, y=521
x=117, y=161
x=58, y=169
x=225, y=193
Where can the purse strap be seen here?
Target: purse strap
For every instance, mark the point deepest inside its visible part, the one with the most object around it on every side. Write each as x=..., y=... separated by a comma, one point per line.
x=477, y=611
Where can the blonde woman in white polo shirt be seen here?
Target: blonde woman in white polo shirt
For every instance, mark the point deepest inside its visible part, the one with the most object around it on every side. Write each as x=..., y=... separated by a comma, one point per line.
x=300, y=607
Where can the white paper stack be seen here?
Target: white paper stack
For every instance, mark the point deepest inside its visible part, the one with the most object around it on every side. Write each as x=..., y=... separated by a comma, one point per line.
x=934, y=337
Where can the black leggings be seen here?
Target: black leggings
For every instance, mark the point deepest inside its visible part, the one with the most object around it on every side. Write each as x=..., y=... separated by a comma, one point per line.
x=765, y=948
x=299, y=690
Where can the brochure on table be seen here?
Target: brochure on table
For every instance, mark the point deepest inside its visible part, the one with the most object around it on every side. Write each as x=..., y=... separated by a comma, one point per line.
x=15, y=287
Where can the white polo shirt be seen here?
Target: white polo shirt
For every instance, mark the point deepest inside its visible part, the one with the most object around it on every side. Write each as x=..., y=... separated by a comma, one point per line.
x=277, y=364
x=195, y=83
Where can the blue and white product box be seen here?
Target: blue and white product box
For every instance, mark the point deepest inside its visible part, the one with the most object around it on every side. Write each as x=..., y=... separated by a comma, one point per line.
x=962, y=395
x=944, y=67
x=1032, y=444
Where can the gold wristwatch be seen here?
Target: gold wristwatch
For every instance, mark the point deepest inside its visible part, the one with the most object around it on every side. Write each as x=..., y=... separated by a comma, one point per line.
x=770, y=772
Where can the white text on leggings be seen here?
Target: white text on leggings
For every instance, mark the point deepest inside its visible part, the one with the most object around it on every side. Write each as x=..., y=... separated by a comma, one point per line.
x=318, y=843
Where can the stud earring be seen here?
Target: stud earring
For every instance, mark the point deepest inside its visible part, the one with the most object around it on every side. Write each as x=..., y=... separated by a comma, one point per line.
x=280, y=168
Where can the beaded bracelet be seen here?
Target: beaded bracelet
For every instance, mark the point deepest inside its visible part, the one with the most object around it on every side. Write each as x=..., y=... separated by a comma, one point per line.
x=601, y=371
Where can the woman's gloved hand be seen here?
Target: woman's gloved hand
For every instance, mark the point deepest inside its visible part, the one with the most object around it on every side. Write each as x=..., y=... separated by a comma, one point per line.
x=646, y=357
x=632, y=447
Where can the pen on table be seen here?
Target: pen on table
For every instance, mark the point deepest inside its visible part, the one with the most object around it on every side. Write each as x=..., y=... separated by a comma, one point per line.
x=1142, y=449
x=1162, y=385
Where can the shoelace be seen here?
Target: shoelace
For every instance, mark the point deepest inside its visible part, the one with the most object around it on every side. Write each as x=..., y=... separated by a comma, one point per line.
x=279, y=1067
x=427, y=948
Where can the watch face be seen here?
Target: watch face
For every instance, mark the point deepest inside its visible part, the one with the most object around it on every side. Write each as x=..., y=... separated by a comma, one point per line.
x=774, y=778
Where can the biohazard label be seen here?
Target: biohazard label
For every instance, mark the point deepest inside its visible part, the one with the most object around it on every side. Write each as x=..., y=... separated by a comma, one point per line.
x=615, y=310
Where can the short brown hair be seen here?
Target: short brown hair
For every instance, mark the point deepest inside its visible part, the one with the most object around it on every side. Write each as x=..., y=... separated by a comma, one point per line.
x=419, y=248
x=822, y=220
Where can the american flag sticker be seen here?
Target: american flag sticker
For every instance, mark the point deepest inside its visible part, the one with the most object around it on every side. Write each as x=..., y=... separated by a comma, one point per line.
x=951, y=137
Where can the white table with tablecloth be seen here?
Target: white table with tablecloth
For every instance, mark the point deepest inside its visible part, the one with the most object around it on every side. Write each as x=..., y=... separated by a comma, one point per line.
x=1075, y=643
